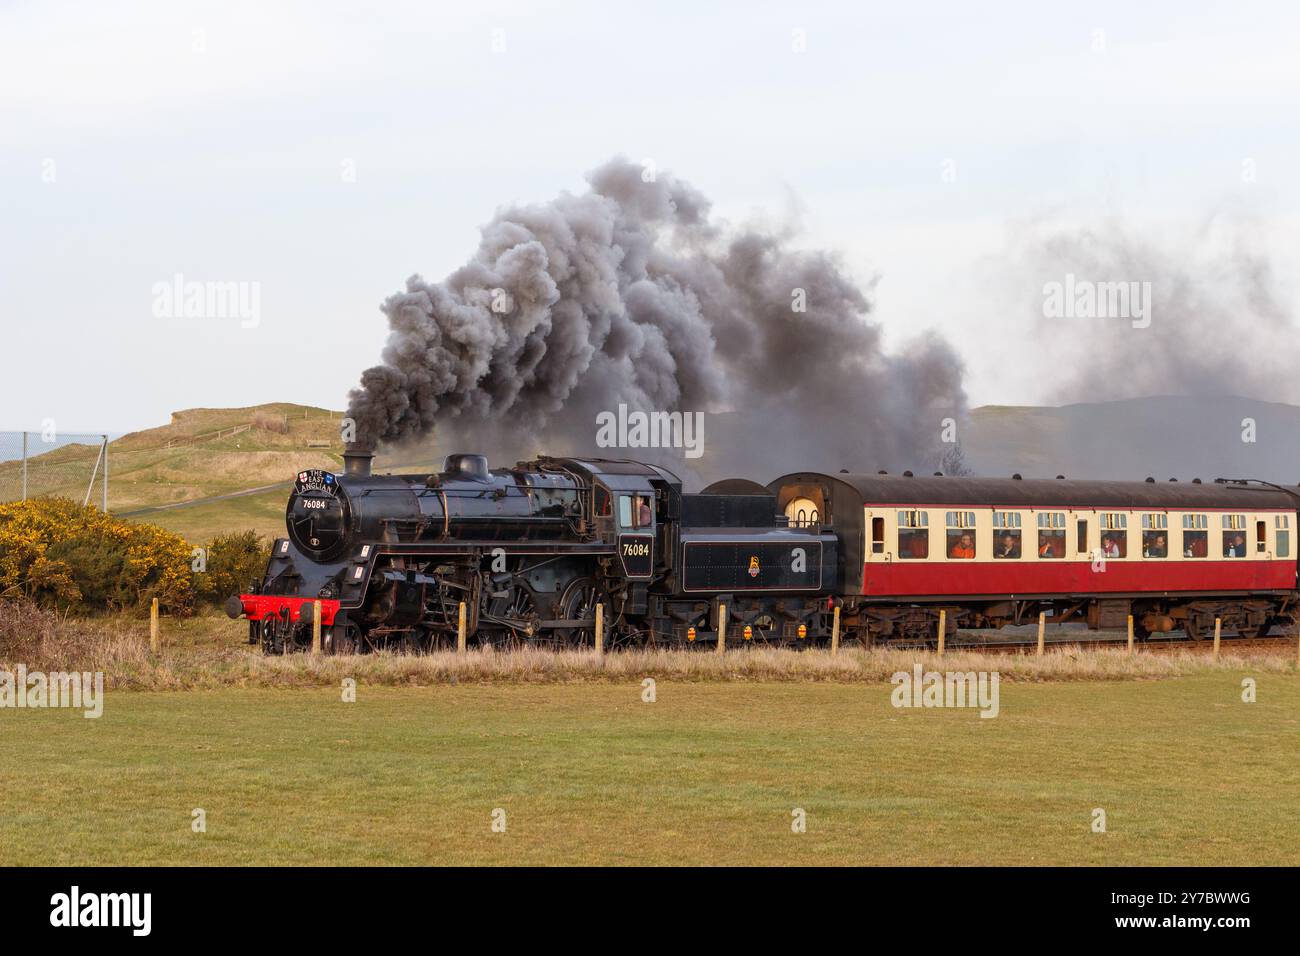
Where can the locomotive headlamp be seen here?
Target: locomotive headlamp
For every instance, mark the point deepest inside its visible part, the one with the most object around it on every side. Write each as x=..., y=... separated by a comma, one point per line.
x=803, y=631
x=690, y=633
x=749, y=632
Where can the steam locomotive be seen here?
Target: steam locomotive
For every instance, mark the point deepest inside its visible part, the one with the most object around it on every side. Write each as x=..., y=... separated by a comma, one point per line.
x=525, y=555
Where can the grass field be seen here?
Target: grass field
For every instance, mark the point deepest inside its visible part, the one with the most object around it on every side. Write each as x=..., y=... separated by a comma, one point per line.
x=709, y=773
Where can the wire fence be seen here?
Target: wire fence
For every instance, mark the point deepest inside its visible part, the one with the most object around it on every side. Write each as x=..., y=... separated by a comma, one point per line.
x=36, y=464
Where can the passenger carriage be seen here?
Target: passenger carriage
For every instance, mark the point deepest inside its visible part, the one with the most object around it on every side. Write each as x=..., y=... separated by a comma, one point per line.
x=997, y=551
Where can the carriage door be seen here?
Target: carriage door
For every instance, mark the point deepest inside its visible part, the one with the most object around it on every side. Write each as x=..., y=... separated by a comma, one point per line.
x=877, y=535
x=636, y=534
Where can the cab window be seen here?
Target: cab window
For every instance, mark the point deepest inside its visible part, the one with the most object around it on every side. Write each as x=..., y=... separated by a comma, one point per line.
x=636, y=511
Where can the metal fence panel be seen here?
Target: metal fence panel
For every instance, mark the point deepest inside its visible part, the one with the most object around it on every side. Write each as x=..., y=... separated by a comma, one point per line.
x=36, y=464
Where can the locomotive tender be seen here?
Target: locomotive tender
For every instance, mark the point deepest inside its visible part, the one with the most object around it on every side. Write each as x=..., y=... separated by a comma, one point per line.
x=531, y=550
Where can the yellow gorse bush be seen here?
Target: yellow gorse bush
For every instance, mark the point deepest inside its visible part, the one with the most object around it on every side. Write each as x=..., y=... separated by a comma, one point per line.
x=62, y=554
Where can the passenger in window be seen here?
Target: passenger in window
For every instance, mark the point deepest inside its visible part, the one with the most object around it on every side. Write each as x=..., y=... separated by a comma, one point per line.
x=963, y=548
x=1008, y=547
x=1160, y=548
x=1110, y=547
x=1047, y=549
x=1234, y=547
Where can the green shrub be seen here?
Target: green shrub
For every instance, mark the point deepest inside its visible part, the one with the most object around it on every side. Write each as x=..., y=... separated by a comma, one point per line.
x=61, y=554
x=234, y=561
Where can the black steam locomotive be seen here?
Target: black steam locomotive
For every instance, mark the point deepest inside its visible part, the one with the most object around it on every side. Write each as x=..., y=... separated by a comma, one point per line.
x=529, y=552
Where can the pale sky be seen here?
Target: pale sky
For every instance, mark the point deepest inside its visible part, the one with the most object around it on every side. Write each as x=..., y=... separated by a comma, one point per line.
x=326, y=151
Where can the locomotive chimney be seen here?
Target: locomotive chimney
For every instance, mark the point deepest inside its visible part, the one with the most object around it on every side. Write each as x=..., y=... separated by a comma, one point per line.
x=356, y=461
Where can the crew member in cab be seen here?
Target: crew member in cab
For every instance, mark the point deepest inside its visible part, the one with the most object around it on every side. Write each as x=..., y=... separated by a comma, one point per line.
x=635, y=511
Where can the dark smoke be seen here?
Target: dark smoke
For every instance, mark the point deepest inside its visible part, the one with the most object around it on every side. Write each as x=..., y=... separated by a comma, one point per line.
x=630, y=293
x=1222, y=320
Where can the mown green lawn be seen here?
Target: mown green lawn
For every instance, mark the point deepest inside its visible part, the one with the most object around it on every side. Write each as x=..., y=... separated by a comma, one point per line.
x=709, y=773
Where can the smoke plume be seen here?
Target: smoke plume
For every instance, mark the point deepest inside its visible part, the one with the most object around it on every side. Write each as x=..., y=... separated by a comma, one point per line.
x=1222, y=319
x=630, y=293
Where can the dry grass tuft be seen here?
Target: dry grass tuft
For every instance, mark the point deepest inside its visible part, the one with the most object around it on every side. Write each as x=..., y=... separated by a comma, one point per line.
x=119, y=647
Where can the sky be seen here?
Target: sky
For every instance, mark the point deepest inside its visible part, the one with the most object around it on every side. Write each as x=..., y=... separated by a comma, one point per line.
x=320, y=153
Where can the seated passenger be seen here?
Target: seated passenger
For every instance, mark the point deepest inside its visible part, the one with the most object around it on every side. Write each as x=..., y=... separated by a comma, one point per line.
x=1009, y=547
x=964, y=548
x=1160, y=548
x=1047, y=549
x=1110, y=547
x=1236, y=548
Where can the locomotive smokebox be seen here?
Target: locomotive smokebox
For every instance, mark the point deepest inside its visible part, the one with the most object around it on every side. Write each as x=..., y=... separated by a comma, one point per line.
x=356, y=461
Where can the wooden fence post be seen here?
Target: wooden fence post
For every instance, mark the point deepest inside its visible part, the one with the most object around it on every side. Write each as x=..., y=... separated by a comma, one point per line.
x=943, y=627
x=315, y=627
x=835, y=631
x=153, y=626
x=460, y=629
x=1042, y=628
x=1218, y=626
x=1130, y=634
x=722, y=628
x=600, y=629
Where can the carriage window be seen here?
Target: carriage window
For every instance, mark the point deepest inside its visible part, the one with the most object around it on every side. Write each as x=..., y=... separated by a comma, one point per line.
x=1282, y=530
x=1006, y=534
x=961, y=534
x=1155, y=535
x=1051, y=534
x=1114, y=534
x=913, y=534
x=1234, y=536
x=877, y=535
x=1195, y=536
